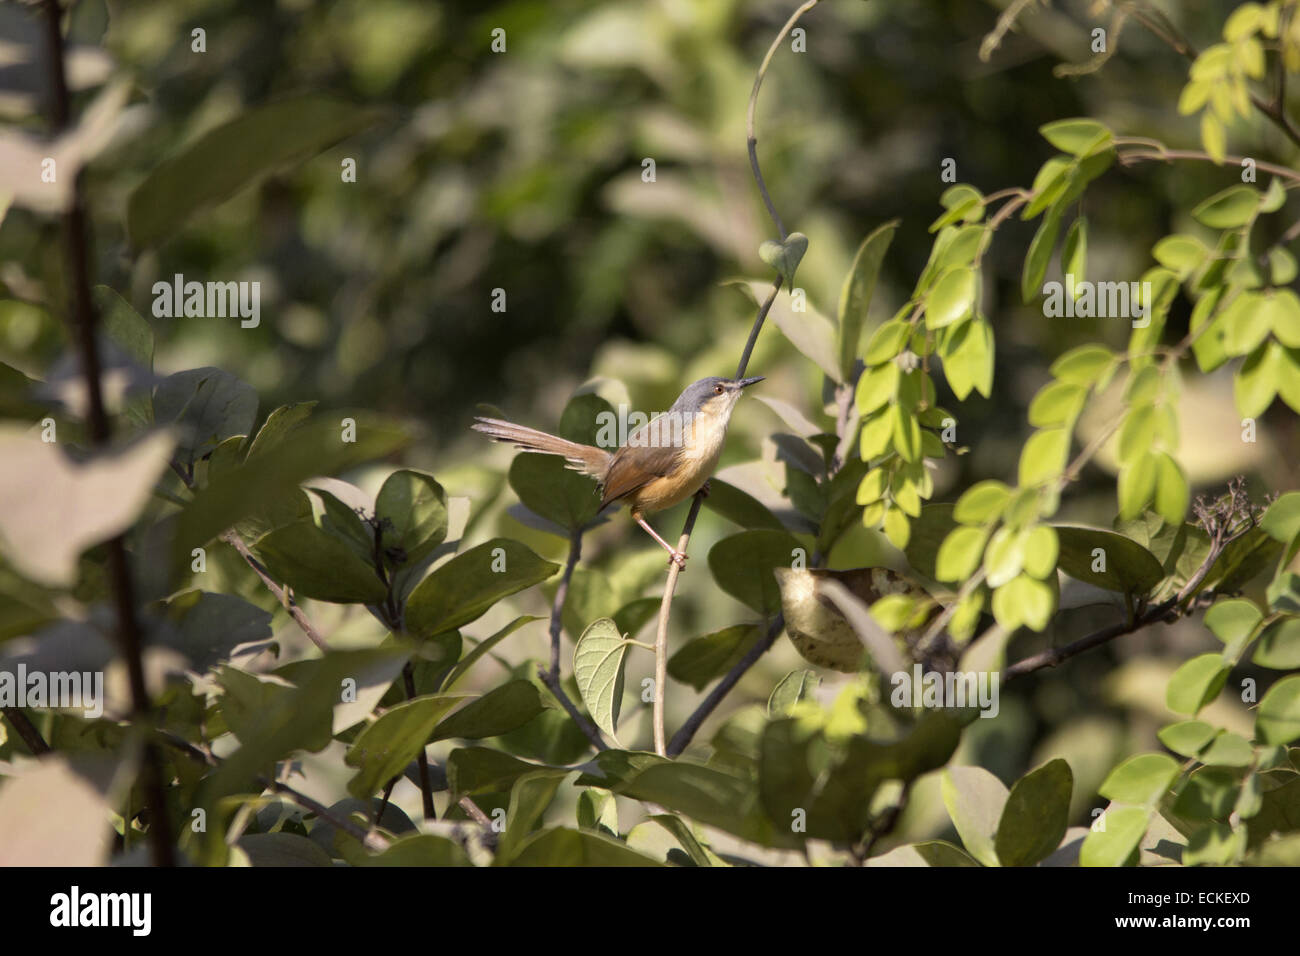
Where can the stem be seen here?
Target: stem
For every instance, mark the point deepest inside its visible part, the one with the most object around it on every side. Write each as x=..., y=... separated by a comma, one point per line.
x=422, y=758
x=683, y=736
x=1160, y=153
x=281, y=594
x=84, y=321
x=661, y=634
x=551, y=676
x=27, y=730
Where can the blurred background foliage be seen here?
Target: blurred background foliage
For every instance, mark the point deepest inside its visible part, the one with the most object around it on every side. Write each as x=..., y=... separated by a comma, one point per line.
x=522, y=171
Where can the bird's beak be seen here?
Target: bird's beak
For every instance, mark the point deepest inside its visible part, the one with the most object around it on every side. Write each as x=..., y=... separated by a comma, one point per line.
x=746, y=382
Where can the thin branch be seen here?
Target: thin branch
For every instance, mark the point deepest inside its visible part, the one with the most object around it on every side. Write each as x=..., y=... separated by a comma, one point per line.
x=661, y=639
x=551, y=676
x=1163, y=28
x=27, y=730
x=1165, y=155
x=661, y=634
x=372, y=841
x=681, y=740
x=84, y=322
x=281, y=594
x=1168, y=610
x=422, y=758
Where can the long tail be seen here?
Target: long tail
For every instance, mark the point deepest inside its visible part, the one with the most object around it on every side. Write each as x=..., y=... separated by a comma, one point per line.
x=587, y=459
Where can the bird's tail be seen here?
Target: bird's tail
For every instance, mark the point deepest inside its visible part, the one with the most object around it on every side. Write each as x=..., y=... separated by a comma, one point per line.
x=587, y=459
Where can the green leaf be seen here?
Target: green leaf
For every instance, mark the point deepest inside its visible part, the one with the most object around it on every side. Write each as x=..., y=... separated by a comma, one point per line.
x=235, y=155
x=207, y=405
x=1182, y=253
x=952, y=298
x=742, y=565
x=1078, y=137
x=1283, y=311
x=1042, y=547
x=1074, y=254
x=1022, y=600
x=123, y=325
x=382, y=751
x=1228, y=750
x=1039, y=255
x=497, y=712
x=1035, y=816
x=1196, y=683
x=466, y=586
x=277, y=425
x=1209, y=794
x=963, y=203
x=887, y=341
x=1057, y=404
x=1083, y=365
x=472, y=770
x=562, y=847
x=317, y=564
x=1172, y=492
x=1277, y=721
x=598, y=667
x=740, y=506
x=1279, y=645
x=1230, y=209
x=784, y=256
x=960, y=554
x=1113, y=846
x=793, y=687
x=1187, y=737
x=1108, y=560
x=1043, y=458
x=1137, y=485
x=975, y=800
x=1004, y=556
x=967, y=353
x=855, y=296
x=417, y=507
x=1232, y=619
x=703, y=659
x=1142, y=779
x=486, y=645
x=981, y=502
x=1256, y=382
x=558, y=493
x=529, y=797
x=1281, y=521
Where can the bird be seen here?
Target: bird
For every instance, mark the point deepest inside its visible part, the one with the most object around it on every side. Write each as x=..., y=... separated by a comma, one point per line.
x=662, y=463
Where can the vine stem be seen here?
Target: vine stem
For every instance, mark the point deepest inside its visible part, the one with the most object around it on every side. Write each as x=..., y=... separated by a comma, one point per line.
x=84, y=321
x=670, y=586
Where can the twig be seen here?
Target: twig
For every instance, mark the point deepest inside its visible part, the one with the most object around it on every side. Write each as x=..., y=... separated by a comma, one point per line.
x=1165, y=155
x=1167, y=610
x=661, y=639
x=281, y=594
x=84, y=322
x=661, y=633
x=27, y=730
x=1169, y=34
x=372, y=841
x=421, y=757
x=551, y=676
x=681, y=740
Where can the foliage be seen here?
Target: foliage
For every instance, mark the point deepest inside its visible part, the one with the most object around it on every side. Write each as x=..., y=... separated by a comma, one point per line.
x=284, y=633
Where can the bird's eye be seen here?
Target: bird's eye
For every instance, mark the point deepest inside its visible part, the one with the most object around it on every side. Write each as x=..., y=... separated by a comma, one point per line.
x=717, y=389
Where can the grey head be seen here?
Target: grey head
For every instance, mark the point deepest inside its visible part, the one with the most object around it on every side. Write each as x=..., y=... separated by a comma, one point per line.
x=712, y=392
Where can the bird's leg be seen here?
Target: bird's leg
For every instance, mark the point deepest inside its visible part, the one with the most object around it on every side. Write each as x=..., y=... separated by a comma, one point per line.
x=677, y=557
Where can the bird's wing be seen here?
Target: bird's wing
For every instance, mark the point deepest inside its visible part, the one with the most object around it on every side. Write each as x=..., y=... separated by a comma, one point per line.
x=633, y=466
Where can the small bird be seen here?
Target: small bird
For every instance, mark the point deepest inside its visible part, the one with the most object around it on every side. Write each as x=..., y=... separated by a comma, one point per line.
x=663, y=462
